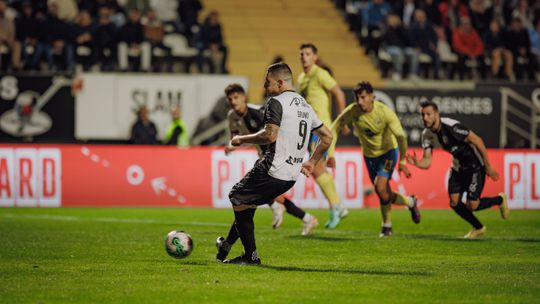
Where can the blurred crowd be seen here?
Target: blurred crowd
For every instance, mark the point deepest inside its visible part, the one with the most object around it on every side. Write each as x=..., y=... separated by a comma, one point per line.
x=493, y=39
x=109, y=35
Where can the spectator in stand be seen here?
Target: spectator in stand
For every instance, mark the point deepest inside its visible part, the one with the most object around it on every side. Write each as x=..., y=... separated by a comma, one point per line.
x=140, y=5
x=177, y=132
x=7, y=35
x=118, y=17
x=496, y=50
x=517, y=41
x=480, y=16
x=451, y=13
x=166, y=12
x=210, y=37
x=85, y=47
x=154, y=33
x=25, y=36
x=432, y=11
x=374, y=17
x=501, y=11
x=105, y=39
x=144, y=131
x=468, y=45
x=67, y=10
x=406, y=12
x=132, y=44
x=424, y=39
x=396, y=43
x=54, y=38
x=524, y=12
x=188, y=10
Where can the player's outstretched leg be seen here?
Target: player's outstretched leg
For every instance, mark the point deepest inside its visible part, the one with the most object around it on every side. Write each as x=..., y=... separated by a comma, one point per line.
x=246, y=231
x=277, y=214
x=310, y=221
x=337, y=210
x=466, y=214
x=412, y=204
x=499, y=200
x=386, y=228
x=224, y=244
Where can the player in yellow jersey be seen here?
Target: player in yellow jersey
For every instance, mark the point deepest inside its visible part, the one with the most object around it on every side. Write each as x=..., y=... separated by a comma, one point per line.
x=316, y=85
x=380, y=134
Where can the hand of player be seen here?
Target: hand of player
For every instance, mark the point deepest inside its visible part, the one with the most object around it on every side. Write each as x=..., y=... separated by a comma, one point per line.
x=403, y=168
x=492, y=173
x=331, y=162
x=307, y=168
x=412, y=159
x=236, y=141
x=345, y=131
x=229, y=148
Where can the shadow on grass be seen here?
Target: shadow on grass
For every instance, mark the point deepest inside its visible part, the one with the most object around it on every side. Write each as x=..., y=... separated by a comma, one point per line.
x=346, y=271
x=440, y=237
x=320, y=238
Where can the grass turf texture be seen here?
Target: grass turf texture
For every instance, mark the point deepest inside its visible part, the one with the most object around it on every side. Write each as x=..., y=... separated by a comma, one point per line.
x=117, y=255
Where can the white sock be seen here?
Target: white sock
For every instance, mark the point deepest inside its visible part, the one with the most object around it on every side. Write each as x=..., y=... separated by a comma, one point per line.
x=307, y=218
x=387, y=225
x=275, y=206
x=410, y=201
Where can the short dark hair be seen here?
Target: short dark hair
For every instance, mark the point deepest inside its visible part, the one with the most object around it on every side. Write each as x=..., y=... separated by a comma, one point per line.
x=310, y=46
x=234, y=88
x=281, y=69
x=429, y=103
x=363, y=86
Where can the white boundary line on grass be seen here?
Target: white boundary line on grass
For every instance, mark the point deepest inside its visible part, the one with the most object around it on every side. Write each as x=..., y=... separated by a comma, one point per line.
x=70, y=218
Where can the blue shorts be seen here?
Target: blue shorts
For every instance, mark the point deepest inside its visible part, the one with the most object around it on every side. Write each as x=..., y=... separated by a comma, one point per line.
x=383, y=165
x=313, y=143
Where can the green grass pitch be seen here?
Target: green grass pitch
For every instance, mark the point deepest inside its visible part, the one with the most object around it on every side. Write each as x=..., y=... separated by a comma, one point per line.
x=117, y=256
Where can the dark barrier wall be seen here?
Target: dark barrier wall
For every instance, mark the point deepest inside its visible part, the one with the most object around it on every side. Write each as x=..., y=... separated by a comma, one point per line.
x=36, y=108
x=479, y=109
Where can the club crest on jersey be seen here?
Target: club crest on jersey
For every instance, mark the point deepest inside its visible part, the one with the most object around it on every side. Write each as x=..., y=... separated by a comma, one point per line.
x=445, y=140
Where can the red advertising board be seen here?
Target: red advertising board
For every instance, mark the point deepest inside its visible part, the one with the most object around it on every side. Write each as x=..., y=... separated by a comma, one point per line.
x=85, y=175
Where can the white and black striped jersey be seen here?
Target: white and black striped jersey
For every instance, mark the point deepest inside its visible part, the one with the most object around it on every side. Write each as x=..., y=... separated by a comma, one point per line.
x=296, y=120
x=451, y=137
x=251, y=122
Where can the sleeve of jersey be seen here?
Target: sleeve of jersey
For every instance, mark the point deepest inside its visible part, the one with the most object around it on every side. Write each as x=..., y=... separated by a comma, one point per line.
x=315, y=122
x=397, y=130
x=460, y=132
x=326, y=80
x=274, y=112
x=343, y=119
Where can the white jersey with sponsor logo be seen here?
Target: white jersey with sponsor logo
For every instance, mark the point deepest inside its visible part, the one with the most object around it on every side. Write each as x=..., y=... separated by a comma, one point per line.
x=296, y=120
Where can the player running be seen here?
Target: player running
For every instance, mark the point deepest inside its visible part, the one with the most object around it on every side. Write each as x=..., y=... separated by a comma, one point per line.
x=315, y=84
x=469, y=167
x=380, y=134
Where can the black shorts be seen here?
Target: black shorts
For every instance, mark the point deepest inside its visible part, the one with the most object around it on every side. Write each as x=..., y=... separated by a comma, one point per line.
x=471, y=182
x=258, y=188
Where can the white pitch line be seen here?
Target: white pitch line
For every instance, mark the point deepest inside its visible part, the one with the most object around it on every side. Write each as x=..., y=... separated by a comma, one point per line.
x=108, y=220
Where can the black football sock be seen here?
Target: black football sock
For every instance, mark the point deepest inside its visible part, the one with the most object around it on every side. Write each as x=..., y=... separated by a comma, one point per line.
x=467, y=215
x=232, y=237
x=293, y=210
x=488, y=202
x=246, y=230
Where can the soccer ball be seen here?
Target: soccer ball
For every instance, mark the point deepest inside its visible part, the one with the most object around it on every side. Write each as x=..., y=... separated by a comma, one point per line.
x=178, y=244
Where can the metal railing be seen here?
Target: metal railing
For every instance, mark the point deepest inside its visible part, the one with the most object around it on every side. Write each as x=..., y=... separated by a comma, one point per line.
x=509, y=98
